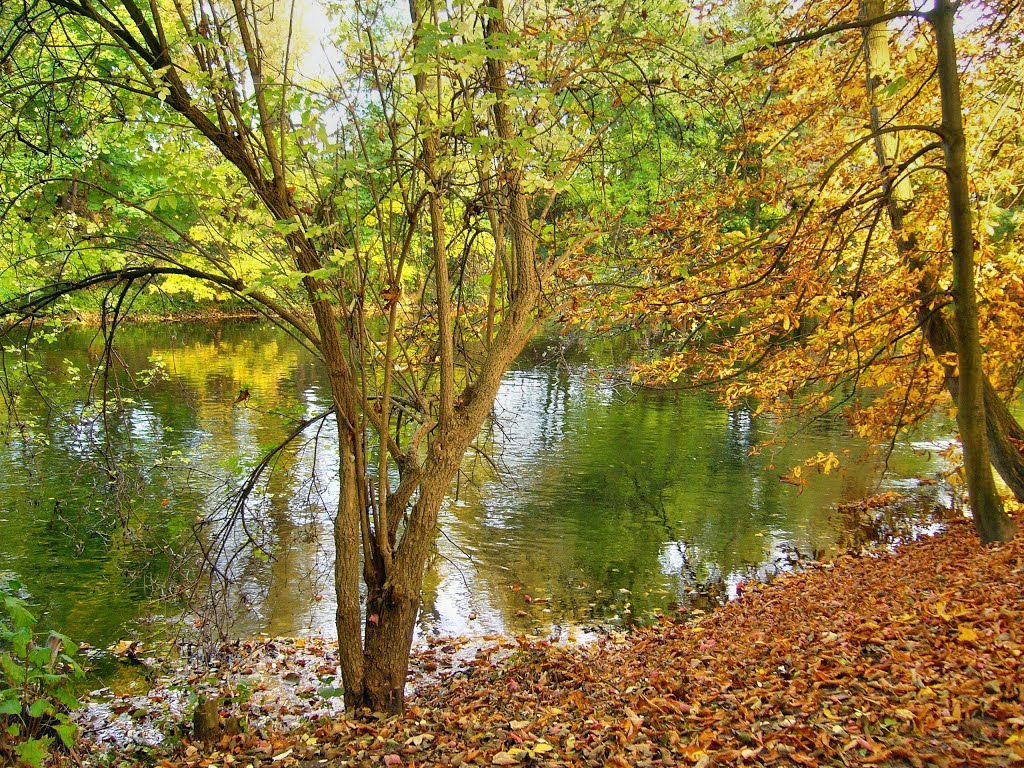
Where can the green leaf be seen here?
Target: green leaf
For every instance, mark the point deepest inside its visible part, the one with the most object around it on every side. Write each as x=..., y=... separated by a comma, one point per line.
x=323, y=273
x=10, y=707
x=67, y=698
x=39, y=708
x=12, y=670
x=895, y=86
x=34, y=751
x=39, y=657
x=20, y=615
x=287, y=226
x=68, y=732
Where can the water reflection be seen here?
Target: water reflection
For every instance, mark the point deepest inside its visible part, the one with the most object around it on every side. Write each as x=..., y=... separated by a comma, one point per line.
x=595, y=504
x=614, y=506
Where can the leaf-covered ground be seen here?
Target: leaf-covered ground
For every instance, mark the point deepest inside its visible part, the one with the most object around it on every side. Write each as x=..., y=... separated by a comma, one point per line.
x=912, y=658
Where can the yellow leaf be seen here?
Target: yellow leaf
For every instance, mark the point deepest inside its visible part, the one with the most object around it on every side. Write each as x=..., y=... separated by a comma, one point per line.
x=942, y=613
x=967, y=635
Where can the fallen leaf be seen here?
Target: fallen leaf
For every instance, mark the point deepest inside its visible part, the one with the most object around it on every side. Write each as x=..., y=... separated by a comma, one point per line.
x=967, y=635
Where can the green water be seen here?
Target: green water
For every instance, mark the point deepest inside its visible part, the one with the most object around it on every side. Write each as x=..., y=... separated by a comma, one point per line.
x=608, y=505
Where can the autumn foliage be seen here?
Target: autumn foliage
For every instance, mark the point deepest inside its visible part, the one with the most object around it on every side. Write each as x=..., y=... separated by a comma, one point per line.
x=905, y=658
x=778, y=278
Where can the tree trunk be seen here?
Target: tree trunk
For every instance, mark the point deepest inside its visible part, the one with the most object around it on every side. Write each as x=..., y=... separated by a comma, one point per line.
x=1005, y=438
x=348, y=615
x=393, y=600
x=990, y=519
x=392, y=606
x=1002, y=428
x=999, y=423
x=390, y=625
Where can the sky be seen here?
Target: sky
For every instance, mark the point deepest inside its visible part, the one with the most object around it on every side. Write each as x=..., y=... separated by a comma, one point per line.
x=314, y=30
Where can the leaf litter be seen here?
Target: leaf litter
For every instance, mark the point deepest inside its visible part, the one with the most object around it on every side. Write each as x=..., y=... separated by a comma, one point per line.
x=905, y=658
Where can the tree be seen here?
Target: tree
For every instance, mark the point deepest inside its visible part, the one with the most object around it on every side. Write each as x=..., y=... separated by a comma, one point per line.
x=780, y=285
x=400, y=221
x=989, y=517
x=971, y=382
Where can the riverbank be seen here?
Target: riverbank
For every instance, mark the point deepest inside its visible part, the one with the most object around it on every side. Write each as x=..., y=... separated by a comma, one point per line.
x=210, y=314
x=907, y=658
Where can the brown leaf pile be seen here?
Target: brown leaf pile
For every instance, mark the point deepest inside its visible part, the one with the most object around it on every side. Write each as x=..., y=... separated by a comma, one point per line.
x=912, y=658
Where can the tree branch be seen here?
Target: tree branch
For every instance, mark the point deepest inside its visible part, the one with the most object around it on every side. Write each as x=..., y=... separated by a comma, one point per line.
x=826, y=31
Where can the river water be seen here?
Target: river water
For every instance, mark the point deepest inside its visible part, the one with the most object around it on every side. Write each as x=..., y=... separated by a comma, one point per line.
x=606, y=505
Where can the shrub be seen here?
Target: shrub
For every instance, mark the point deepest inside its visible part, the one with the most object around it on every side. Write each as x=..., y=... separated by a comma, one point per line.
x=36, y=684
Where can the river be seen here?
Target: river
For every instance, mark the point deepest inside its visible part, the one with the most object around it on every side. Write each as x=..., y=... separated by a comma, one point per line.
x=607, y=505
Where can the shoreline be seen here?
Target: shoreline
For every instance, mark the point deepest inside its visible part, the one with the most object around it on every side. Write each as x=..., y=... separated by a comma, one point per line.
x=913, y=657
x=183, y=316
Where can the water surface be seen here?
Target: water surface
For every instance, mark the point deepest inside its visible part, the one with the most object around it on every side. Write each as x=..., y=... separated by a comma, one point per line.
x=601, y=505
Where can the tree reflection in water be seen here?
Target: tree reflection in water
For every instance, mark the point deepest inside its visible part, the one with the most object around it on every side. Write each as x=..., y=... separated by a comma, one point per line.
x=597, y=504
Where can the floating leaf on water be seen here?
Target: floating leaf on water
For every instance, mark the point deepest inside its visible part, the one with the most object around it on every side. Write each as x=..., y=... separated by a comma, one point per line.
x=126, y=648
